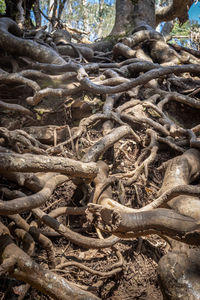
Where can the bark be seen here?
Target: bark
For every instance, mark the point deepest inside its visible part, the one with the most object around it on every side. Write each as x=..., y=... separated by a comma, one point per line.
x=23, y=268
x=39, y=163
x=74, y=237
x=142, y=79
x=131, y=14
x=12, y=41
x=26, y=203
x=37, y=236
x=161, y=221
x=144, y=13
x=20, y=15
x=36, y=9
x=179, y=223
x=69, y=50
x=100, y=18
x=184, y=269
x=122, y=17
x=50, y=14
x=105, y=143
x=177, y=9
x=83, y=4
x=27, y=7
x=13, y=10
x=54, y=14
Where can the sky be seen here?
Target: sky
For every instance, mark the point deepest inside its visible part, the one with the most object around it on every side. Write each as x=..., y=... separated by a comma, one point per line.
x=194, y=12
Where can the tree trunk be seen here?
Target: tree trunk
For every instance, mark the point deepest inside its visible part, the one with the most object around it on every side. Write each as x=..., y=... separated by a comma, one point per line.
x=11, y=9
x=37, y=14
x=144, y=13
x=61, y=7
x=84, y=10
x=27, y=7
x=100, y=18
x=50, y=13
x=131, y=14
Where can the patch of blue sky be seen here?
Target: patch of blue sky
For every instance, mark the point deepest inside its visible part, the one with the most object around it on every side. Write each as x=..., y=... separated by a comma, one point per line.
x=194, y=12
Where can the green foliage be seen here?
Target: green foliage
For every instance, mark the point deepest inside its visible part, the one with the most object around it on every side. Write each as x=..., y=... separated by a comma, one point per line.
x=187, y=35
x=183, y=30
x=181, y=34
x=2, y=7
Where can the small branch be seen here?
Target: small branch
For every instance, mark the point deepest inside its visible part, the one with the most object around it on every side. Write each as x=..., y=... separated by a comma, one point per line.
x=106, y=142
x=87, y=269
x=27, y=203
x=78, y=239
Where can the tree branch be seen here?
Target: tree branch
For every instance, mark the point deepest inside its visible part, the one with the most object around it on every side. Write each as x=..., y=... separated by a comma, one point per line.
x=177, y=9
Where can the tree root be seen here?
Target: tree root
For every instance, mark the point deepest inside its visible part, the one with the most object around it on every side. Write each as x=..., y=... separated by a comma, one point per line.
x=19, y=139
x=13, y=43
x=106, y=142
x=181, y=268
x=142, y=79
x=160, y=221
x=17, y=78
x=20, y=266
x=117, y=220
x=74, y=237
x=15, y=107
x=38, y=237
x=131, y=126
x=71, y=90
x=153, y=148
x=94, y=272
x=31, y=163
x=29, y=202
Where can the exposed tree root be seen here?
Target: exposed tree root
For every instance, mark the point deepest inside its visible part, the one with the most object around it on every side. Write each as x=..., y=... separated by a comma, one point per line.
x=180, y=170
x=160, y=221
x=142, y=79
x=38, y=237
x=74, y=237
x=12, y=42
x=15, y=107
x=22, y=141
x=28, y=271
x=29, y=202
x=115, y=268
x=17, y=78
x=182, y=268
x=115, y=124
x=27, y=163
